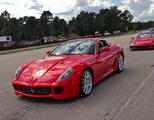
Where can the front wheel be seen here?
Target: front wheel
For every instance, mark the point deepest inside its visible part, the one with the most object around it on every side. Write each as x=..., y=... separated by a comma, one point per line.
x=120, y=66
x=86, y=83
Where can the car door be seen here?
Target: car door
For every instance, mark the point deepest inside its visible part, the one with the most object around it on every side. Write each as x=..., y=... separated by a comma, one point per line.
x=104, y=60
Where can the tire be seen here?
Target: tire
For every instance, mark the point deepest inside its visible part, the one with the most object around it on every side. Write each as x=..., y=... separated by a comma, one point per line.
x=120, y=66
x=86, y=83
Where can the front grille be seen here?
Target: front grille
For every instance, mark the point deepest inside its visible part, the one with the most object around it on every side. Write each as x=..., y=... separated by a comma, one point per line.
x=35, y=91
x=142, y=47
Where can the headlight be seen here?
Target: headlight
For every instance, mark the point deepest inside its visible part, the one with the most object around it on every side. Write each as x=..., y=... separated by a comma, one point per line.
x=66, y=74
x=131, y=44
x=16, y=74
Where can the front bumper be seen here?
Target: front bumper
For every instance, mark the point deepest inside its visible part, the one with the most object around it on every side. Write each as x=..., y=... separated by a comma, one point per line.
x=146, y=45
x=57, y=90
x=141, y=47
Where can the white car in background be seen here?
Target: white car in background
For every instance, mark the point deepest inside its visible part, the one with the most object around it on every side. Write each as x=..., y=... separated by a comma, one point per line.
x=107, y=33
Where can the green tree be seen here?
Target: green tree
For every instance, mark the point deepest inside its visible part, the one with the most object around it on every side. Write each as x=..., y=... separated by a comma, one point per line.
x=109, y=19
x=4, y=20
x=83, y=24
x=31, y=28
x=59, y=27
x=44, y=24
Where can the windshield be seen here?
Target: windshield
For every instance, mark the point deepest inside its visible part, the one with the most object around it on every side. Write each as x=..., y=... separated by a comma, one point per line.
x=75, y=47
x=146, y=35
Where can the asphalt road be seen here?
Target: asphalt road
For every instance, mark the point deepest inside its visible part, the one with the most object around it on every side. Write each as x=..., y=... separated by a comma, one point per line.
x=125, y=96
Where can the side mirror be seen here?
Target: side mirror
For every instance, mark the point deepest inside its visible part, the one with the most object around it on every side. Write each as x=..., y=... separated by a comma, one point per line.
x=105, y=49
x=48, y=52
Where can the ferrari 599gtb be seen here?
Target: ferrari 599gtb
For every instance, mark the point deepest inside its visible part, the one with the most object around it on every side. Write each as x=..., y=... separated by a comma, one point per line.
x=70, y=70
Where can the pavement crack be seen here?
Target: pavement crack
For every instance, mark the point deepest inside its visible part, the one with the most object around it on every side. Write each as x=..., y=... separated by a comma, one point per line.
x=129, y=100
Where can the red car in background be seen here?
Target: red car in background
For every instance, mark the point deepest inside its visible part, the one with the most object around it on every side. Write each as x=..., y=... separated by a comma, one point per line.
x=142, y=41
x=69, y=70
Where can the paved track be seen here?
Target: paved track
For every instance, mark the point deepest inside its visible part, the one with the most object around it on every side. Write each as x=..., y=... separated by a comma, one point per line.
x=125, y=96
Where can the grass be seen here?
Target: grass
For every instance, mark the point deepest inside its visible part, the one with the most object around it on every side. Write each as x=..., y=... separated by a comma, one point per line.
x=27, y=48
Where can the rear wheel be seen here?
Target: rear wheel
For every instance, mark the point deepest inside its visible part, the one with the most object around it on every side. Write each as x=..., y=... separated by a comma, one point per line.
x=120, y=66
x=86, y=83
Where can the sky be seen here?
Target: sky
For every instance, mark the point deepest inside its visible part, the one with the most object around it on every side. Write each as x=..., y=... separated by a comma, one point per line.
x=142, y=10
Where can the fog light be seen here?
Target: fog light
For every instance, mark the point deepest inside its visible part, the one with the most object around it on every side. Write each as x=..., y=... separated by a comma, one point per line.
x=59, y=90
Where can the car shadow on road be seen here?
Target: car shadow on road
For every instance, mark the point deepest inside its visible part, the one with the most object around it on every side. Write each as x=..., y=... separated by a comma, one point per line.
x=72, y=100
x=144, y=49
x=47, y=100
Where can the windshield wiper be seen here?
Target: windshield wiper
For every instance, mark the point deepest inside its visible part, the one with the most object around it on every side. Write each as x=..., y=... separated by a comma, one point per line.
x=71, y=54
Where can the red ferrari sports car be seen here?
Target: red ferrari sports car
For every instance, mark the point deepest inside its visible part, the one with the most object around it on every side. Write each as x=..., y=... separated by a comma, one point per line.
x=70, y=70
x=143, y=40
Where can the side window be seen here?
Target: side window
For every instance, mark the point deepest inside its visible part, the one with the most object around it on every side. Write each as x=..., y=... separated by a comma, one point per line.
x=102, y=44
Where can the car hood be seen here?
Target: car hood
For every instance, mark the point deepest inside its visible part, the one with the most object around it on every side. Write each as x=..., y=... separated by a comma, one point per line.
x=145, y=39
x=49, y=69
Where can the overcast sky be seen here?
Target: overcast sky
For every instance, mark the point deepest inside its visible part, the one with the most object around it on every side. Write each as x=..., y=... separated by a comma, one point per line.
x=142, y=10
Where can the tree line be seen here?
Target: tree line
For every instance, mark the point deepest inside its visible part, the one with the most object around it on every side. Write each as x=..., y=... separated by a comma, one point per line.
x=85, y=23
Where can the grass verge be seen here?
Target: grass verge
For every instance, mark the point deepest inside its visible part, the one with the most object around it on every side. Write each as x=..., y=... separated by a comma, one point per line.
x=27, y=48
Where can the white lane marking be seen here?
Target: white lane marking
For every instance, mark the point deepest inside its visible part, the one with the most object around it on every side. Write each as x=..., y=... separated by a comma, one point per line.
x=126, y=46
x=128, y=101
